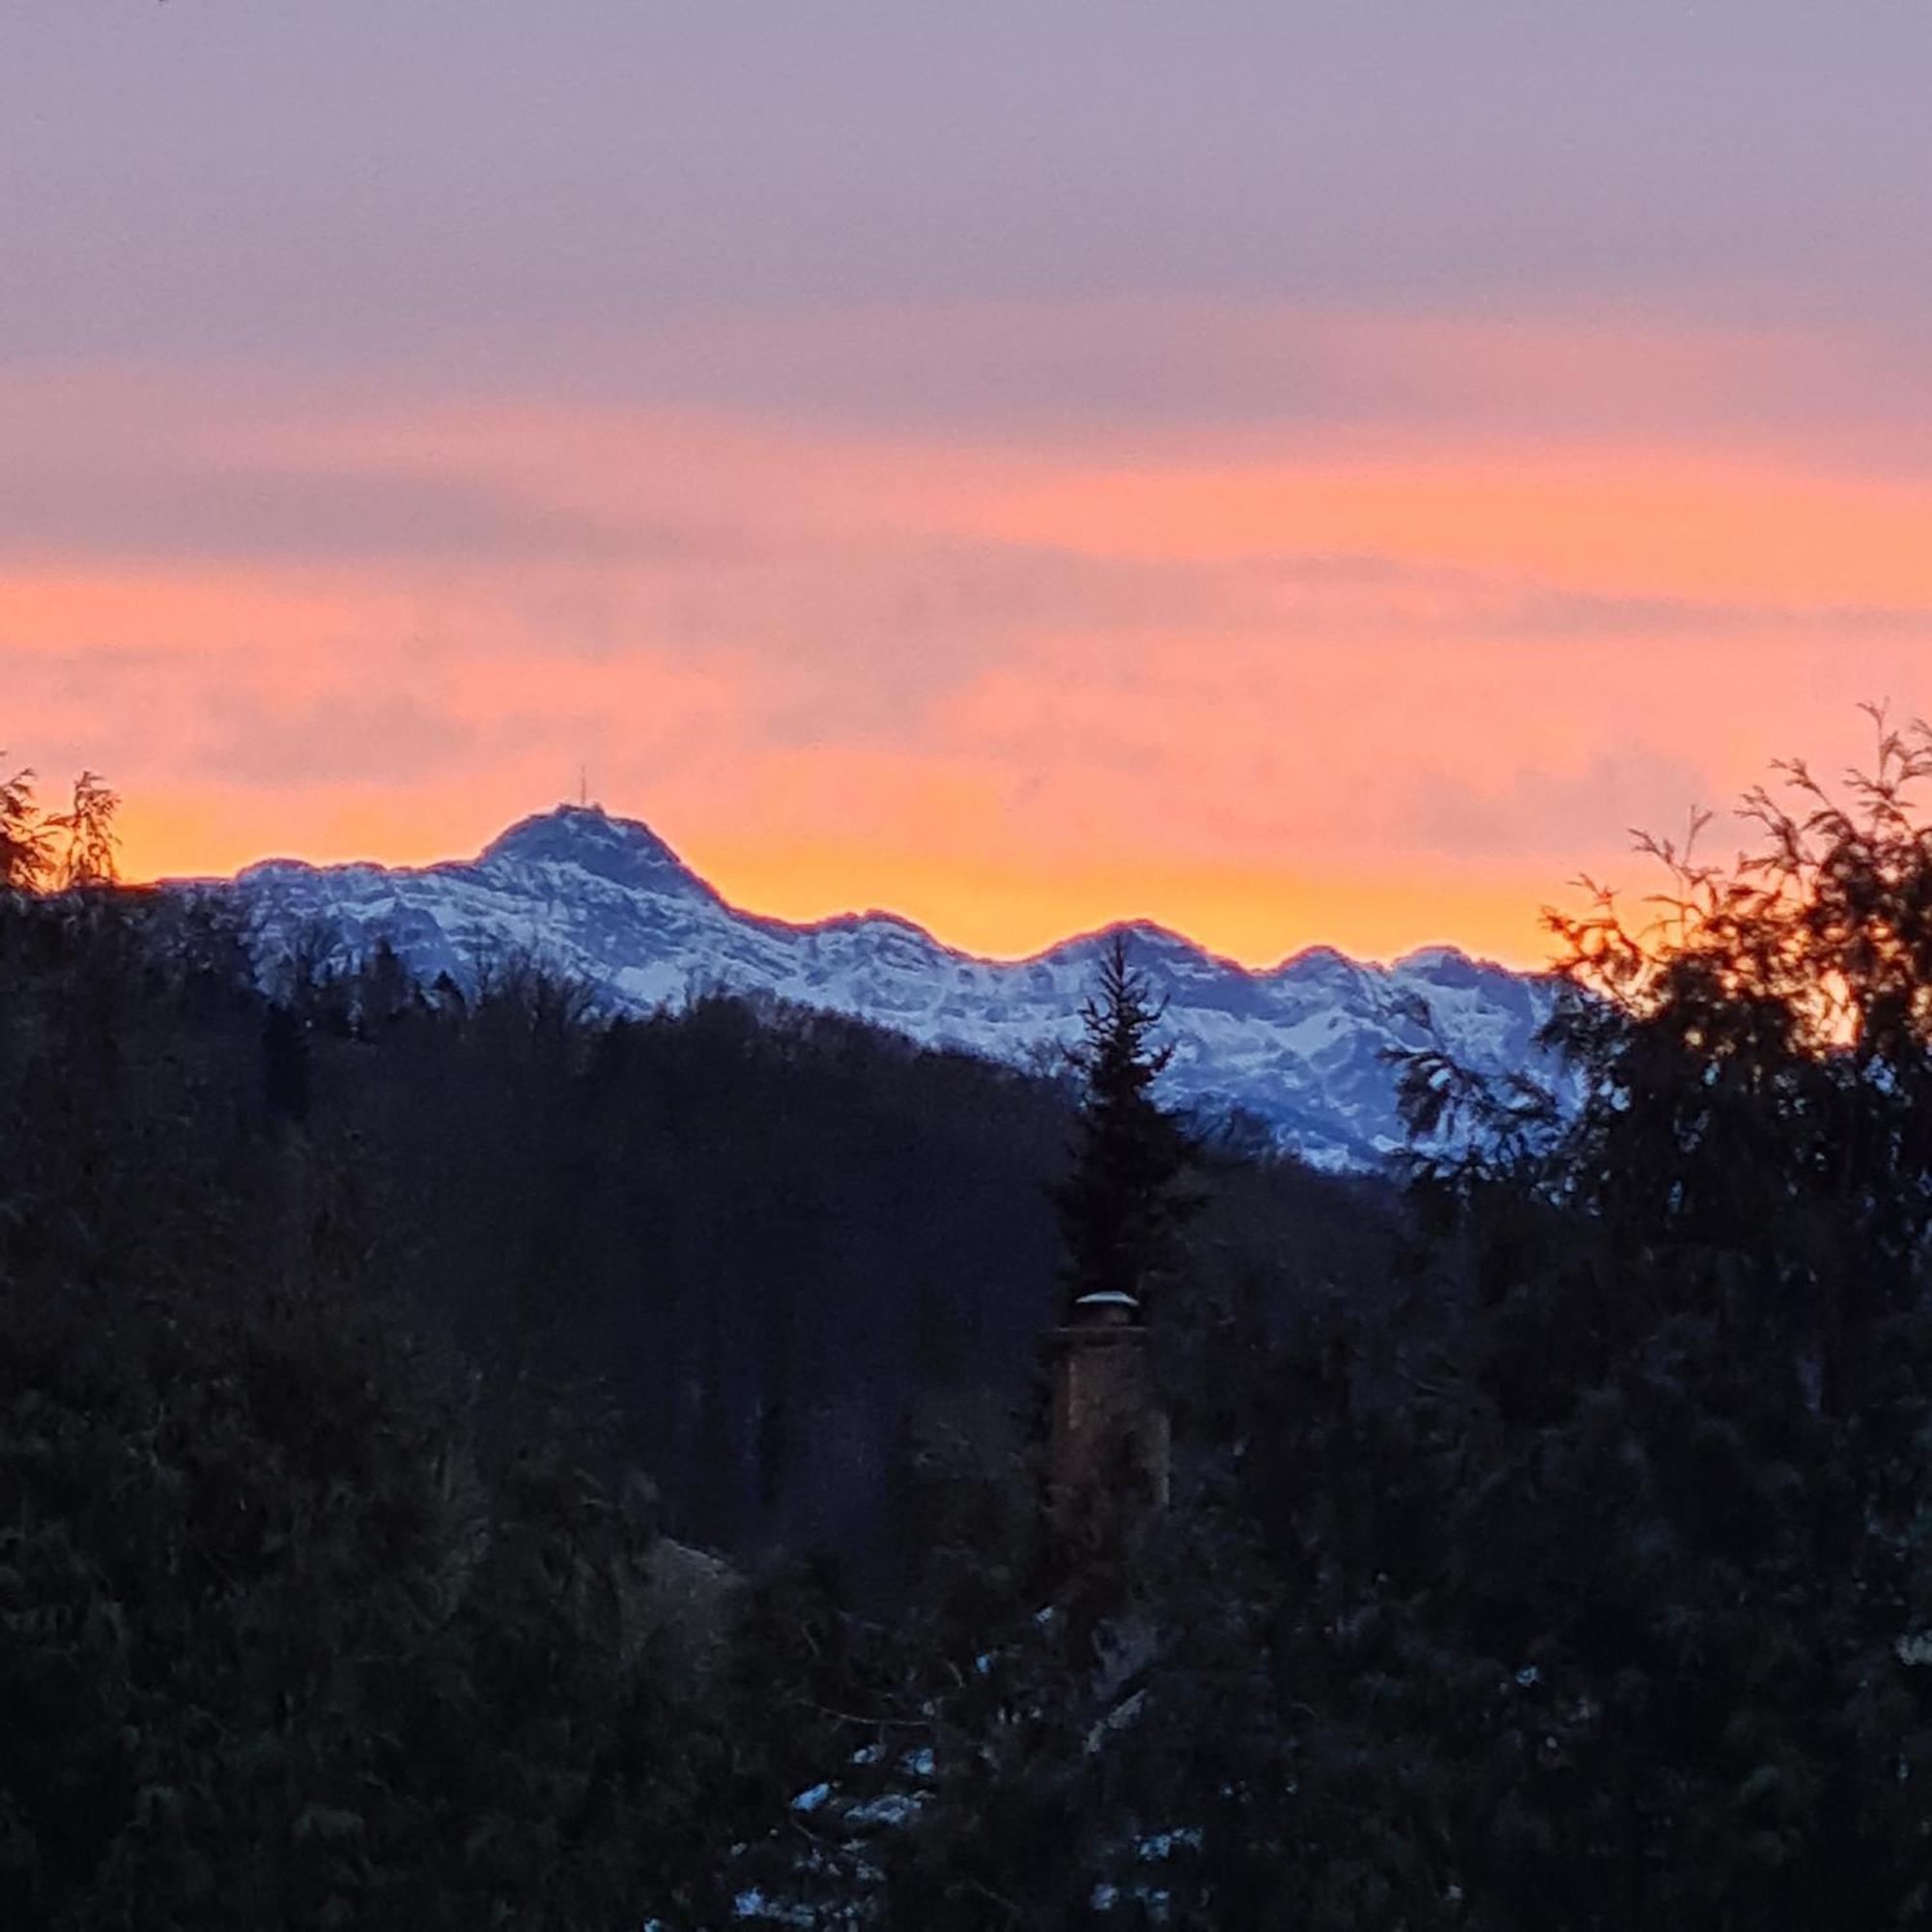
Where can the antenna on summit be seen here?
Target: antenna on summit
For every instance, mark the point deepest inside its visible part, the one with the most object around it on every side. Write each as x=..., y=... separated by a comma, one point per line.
x=584, y=786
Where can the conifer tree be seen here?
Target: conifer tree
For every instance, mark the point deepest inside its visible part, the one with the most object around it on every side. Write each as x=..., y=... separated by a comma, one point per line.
x=23, y=841
x=88, y=825
x=1123, y=1202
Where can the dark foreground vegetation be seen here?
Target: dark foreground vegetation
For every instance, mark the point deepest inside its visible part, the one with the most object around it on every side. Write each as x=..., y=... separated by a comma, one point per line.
x=1550, y=1538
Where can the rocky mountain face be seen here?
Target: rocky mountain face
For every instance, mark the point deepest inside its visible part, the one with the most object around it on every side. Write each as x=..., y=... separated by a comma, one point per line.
x=604, y=900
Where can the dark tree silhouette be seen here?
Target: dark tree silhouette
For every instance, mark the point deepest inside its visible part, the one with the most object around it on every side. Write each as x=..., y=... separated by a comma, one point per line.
x=87, y=827
x=1123, y=1202
x=1755, y=1058
x=285, y=1063
x=1689, y=1417
x=23, y=838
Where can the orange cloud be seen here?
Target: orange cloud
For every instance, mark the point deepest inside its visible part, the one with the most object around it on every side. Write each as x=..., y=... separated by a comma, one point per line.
x=1377, y=676
x=1614, y=519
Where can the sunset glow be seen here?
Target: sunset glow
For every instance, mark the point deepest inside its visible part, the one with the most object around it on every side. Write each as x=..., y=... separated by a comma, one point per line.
x=1006, y=594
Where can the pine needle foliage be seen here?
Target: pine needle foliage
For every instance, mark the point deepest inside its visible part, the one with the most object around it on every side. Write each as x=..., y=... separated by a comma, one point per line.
x=1123, y=1202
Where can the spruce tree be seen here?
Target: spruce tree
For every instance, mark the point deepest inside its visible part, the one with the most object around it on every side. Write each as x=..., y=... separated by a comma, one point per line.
x=1123, y=1202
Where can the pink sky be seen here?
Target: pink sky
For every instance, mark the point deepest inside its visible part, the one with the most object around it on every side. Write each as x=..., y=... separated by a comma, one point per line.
x=1084, y=566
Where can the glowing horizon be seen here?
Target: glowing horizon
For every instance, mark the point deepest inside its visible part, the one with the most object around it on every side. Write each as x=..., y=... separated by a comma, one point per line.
x=1234, y=914
x=905, y=482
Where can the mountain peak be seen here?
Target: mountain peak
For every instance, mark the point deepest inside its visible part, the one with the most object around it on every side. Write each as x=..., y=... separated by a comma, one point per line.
x=623, y=851
x=604, y=901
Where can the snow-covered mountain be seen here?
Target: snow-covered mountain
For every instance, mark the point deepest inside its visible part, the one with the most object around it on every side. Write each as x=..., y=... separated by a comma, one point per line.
x=604, y=900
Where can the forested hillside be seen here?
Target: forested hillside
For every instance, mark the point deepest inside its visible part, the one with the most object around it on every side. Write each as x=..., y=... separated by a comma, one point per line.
x=1546, y=1545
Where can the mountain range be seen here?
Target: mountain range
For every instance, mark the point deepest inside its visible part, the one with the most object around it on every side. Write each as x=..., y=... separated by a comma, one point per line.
x=604, y=900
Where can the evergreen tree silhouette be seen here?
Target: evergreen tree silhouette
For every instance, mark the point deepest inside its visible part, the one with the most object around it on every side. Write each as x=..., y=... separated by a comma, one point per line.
x=88, y=827
x=23, y=838
x=1122, y=1205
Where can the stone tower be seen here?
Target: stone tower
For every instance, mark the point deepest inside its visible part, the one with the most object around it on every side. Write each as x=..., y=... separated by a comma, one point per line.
x=1108, y=1448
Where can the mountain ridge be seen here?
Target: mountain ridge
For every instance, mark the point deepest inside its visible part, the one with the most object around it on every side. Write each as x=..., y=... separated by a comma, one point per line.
x=607, y=900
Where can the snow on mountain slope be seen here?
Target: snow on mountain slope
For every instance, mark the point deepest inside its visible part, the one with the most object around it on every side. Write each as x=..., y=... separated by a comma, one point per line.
x=604, y=900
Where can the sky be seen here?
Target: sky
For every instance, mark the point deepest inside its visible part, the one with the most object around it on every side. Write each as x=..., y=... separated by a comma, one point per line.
x=1304, y=473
